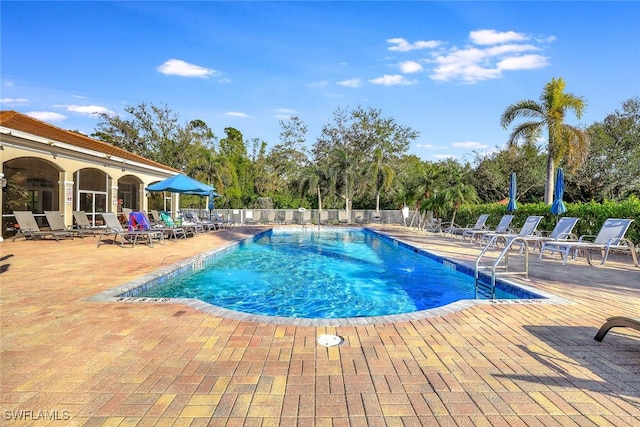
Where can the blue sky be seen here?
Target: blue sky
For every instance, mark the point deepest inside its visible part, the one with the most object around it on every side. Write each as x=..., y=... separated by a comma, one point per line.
x=446, y=69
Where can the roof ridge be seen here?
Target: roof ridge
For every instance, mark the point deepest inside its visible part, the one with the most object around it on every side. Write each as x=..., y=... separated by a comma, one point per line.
x=25, y=123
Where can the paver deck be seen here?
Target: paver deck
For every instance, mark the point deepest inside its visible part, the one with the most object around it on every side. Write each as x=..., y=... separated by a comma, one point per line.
x=65, y=360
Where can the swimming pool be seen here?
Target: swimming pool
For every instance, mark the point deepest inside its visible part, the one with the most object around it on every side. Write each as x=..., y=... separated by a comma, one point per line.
x=325, y=273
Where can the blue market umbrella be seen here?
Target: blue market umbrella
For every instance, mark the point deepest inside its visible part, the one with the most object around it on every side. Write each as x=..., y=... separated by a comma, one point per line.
x=512, y=205
x=182, y=184
x=558, y=207
x=212, y=194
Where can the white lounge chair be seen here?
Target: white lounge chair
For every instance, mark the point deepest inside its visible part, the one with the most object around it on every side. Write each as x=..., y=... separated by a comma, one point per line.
x=610, y=236
x=528, y=229
x=217, y=219
x=503, y=227
x=30, y=230
x=478, y=226
x=562, y=231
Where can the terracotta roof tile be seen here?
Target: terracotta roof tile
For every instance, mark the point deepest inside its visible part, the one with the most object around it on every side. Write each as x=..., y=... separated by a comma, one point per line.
x=24, y=123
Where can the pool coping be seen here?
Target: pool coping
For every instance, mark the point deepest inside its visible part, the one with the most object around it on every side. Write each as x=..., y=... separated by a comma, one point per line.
x=126, y=293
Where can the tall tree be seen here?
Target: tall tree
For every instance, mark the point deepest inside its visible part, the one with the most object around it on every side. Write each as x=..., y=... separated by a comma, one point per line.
x=347, y=148
x=239, y=185
x=564, y=142
x=612, y=169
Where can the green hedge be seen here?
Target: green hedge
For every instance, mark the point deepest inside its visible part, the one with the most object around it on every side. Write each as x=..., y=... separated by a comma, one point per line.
x=592, y=215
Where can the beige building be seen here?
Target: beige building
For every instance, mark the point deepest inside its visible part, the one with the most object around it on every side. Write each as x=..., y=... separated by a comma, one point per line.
x=46, y=168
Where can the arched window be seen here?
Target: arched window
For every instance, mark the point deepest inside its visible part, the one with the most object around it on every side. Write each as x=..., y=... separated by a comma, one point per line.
x=32, y=185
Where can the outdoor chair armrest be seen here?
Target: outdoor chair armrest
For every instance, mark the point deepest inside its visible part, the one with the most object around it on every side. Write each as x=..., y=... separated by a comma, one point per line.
x=585, y=236
x=566, y=236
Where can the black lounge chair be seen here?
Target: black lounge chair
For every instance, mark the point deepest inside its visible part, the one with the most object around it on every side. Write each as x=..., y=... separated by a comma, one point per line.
x=617, y=322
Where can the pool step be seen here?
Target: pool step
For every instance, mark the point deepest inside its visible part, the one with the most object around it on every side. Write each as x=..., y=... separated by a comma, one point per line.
x=502, y=263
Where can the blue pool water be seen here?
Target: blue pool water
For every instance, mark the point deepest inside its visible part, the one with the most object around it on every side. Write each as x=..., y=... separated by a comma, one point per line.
x=322, y=274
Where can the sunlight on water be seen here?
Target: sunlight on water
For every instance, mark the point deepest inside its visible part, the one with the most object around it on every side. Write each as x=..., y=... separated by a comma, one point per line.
x=330, y=274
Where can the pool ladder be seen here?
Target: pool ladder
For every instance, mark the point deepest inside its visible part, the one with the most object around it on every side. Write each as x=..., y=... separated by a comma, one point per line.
x=488, y=290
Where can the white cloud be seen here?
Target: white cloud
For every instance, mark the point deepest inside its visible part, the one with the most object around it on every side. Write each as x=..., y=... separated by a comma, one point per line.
x=225, y=81
x=468, y=65
x=284, y=113
x=524, y=62
x=391, y=80
x=445, y=156
x=177, y=67
x=474, y=64
x=235, y=114
x=488, y=55
x=8, y=84
x=409, y=67
x=491, y=37
x=355, y=82
x=402, y=45
x=88, y=109
x=506, y=49
x=428, y=146
x=13, y=101
x=46, y=116
x=472, y=145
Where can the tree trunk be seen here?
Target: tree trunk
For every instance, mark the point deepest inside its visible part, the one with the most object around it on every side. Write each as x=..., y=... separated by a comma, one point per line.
x=319, y=200
x=453, y=217
x=548, y=187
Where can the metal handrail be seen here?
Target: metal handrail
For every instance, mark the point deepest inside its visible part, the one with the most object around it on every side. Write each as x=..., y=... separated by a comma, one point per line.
x=509, y=241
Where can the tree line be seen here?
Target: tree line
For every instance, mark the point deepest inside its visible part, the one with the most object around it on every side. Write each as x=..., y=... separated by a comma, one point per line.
x=360, y=159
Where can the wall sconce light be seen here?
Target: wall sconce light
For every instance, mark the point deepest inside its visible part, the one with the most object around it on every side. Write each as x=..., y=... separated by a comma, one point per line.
x=123, y=164
x=3, y=181
x=55, y=156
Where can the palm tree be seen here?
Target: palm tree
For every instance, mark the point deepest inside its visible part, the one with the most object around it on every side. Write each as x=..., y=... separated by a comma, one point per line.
x=312, y=180
x=564, y=142
x=382, y=173
x=455, y=196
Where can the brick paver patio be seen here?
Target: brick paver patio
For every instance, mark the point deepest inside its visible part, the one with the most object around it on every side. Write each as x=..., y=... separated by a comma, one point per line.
x=69, y=361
